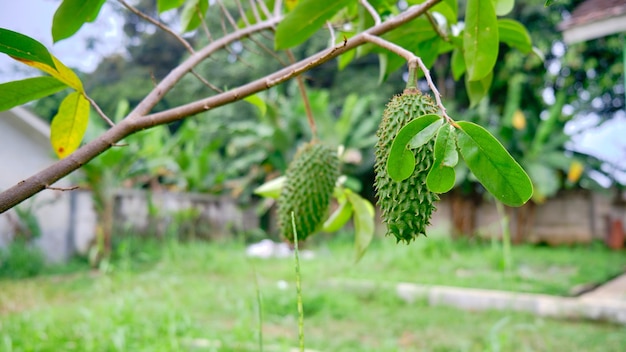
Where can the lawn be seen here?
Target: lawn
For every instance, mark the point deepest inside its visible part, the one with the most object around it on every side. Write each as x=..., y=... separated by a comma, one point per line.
x=203, y=297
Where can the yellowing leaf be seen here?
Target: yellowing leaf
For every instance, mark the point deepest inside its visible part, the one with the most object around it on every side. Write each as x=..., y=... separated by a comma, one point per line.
x=291, y=4
x=193, y=14
x=69, y=124
x=576, y=169
x=272, y=188
x=519, y=120
x=61, y=72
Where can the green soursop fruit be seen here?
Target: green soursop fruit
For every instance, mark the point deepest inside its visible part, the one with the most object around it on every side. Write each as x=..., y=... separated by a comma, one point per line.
x=407, y=205
x=309, y=186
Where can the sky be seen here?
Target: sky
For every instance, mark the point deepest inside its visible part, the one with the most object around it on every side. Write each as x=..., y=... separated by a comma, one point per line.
x=34, y=18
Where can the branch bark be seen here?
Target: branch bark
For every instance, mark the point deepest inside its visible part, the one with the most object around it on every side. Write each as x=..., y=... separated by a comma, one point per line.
x=140, y=118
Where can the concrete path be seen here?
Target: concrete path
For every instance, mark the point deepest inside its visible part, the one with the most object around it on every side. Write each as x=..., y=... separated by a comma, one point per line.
x=605, y=303
x=614, y=289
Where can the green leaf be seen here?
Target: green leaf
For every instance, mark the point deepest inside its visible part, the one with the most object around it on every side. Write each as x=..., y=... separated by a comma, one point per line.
x=447, y=8
x=193, y=14
x=454, y=6
x=339, y=217
x=477, y=90
x=20, y=92
x=24, y=47
x=363, y=223
x=445, y=146
x=165, y=5
x=382, y=67
x=549, y=2
x=71, y=15
x=258, y=102
x=271, y=188
x=480, y=38
x=304, y=20
x=425, y=135
x=504, y=7
x=401, y=162
x=515, y=35
x=69, y=124
x=458, y=64
x=251, y=15
x=441, y=177
x=121, y=110
x=492, y=165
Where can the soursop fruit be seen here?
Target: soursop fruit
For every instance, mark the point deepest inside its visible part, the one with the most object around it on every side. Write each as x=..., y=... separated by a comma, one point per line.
x=308, y=189
x=406, y=206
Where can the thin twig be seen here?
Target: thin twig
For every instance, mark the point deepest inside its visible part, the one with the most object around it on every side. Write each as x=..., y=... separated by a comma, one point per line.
x=158, y=24
x=205, y=82
x=267, y=35
x=394, y=48
x=264, y=8
x=305, y=98
x=63, y=189
x=99, y=111
x=436, y=28
x=242, y=13
x=372, y=11
x=436, y=93
x=205, y=28
x=331, y=31
x=176, y=74
x=229, y=17
x=255, y=11
x=278, y=5
x=412, y=59
x=268, y=50
x=234, y=25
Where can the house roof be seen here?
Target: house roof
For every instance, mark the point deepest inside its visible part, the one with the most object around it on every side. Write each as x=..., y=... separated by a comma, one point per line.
x=594, y=19
x=26, y=121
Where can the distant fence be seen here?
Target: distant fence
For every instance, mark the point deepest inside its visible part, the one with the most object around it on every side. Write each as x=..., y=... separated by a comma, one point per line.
x=69, y=223
x=189, y=214
x=574, y=216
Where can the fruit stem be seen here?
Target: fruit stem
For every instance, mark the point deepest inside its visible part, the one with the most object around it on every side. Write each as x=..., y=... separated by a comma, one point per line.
x=305, y=99
x=411, y=82
x=414, y=62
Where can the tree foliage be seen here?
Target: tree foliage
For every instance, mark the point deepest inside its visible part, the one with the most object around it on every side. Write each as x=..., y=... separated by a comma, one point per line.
x=196, y=64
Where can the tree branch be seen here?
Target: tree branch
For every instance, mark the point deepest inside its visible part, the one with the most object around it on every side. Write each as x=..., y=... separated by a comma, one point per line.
x=414, y=61
x=158, y=24
x=305, y=99
x=99, y=111
x=138, y=118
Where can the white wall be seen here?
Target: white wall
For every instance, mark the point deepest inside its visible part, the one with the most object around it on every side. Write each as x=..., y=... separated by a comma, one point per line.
x=25, y=150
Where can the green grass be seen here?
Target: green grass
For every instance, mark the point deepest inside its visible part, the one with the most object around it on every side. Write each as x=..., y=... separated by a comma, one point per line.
x=202, y=297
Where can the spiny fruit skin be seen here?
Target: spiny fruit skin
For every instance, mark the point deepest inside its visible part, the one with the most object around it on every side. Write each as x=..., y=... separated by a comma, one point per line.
x=311, y=178
x=407, y=205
